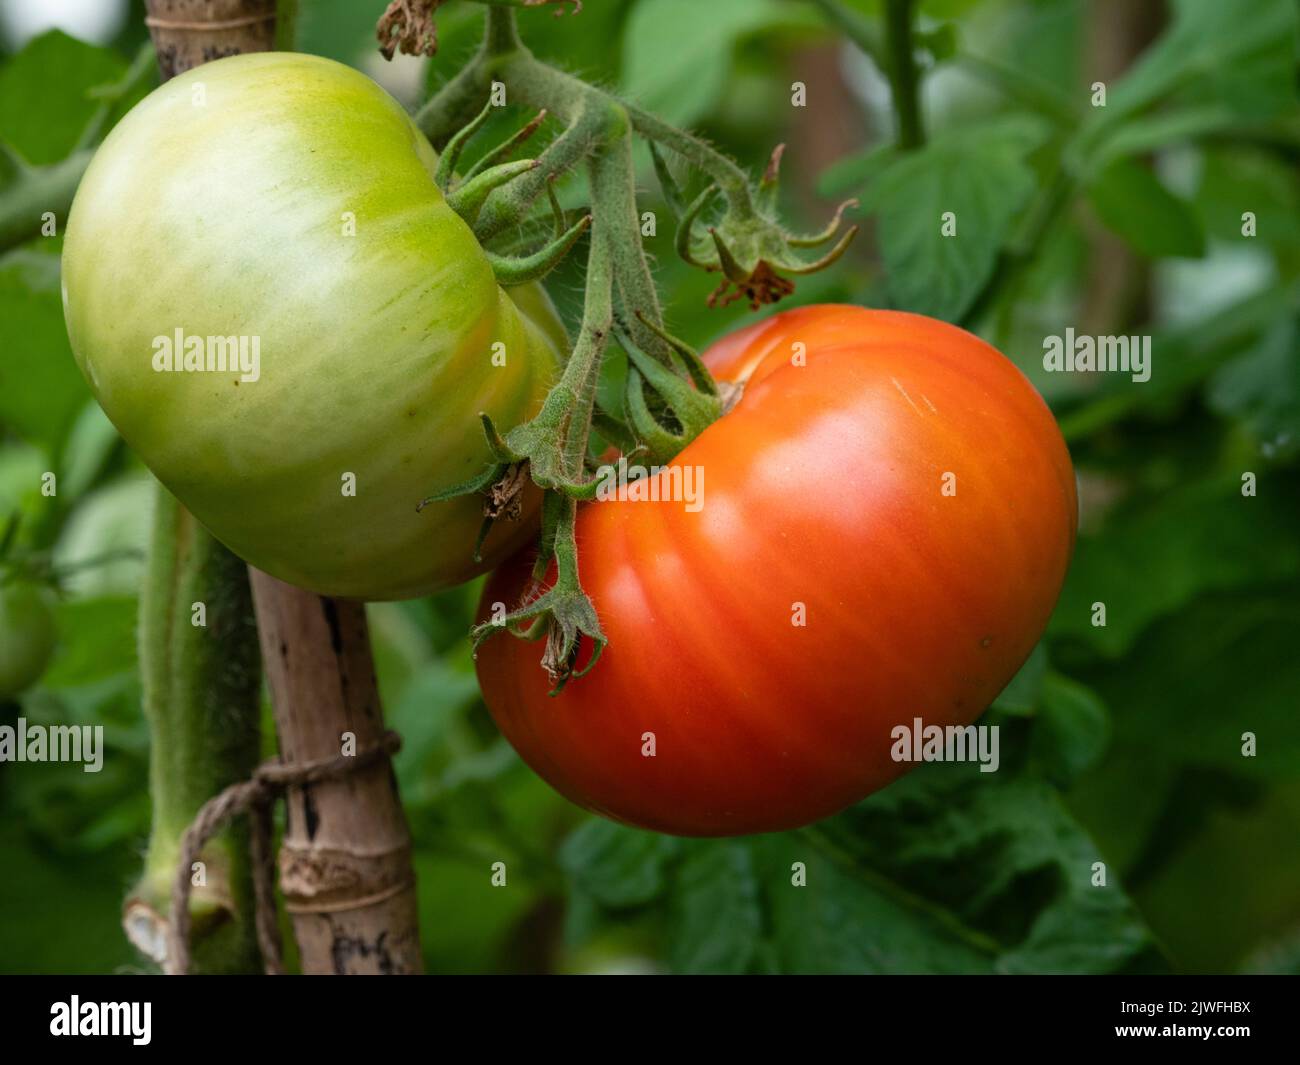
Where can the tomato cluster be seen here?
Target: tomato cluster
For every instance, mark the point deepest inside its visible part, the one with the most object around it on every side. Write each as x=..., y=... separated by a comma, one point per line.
x=886, y=512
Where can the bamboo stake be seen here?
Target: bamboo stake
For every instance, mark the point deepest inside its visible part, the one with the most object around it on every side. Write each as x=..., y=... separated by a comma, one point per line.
x=187, y=33
x=345, y=862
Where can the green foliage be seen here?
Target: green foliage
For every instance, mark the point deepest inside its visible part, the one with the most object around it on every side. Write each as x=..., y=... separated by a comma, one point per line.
x=682, y=76
x=1136, y=206
x=41, y=389
x=950, y=872
x=978, y=174
x=46, y=98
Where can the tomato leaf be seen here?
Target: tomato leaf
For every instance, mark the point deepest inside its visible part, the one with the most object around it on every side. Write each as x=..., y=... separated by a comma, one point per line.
x=1241, y=51
x=89, y=446
x=1133, y=203
x=1200, y=538
x=946, y=210
x=676, y=63
x=716, y=918
x=1262, y=389
x=947, y=870
x=45, y=94
x=1244, y=179
x=1200, y=679
x=966, y=873
x=1071, y=729
x=1020, y=697
x=619, y=867
x=41, y=389
x=96, y=641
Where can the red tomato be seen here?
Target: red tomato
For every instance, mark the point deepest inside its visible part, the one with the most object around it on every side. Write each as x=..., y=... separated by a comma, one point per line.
x=765, y=644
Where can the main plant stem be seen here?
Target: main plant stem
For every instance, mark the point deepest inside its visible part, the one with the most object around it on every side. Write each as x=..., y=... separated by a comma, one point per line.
x=202, y=698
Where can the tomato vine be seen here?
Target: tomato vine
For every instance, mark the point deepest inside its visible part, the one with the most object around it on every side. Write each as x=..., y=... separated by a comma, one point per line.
x=671, y=397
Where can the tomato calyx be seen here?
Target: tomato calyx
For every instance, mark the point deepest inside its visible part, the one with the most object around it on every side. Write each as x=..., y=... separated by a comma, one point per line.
x=749, y=246
x=563, y=610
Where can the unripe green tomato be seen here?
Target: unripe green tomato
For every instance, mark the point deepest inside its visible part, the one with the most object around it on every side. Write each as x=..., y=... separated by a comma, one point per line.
x=288, y=202
x=26, y=636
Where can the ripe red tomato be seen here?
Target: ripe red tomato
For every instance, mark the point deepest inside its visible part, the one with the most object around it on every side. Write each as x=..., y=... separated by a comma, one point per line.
x=824, y=502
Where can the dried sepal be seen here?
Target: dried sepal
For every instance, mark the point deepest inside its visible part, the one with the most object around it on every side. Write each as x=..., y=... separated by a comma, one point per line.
x=407, y=26
x=750, y=247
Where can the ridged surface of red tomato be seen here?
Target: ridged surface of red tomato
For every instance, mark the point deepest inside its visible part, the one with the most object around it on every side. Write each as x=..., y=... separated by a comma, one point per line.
x=824, y=503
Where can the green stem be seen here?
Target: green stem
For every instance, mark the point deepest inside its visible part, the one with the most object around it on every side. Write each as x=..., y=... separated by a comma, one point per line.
x=32, y=191
x=904, y=78
x=202, y=699
x=614, y=190
x=895, y=57
x=583, y=371
x=600, y=126
x=502, y=36
x=728, y=176
x=452, y=106
x=506, y=206
x=533, y=82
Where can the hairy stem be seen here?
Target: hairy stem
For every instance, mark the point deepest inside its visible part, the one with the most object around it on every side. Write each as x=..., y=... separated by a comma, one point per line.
x=452, y=106
x=31, y=192
x=597, y=317
x=200, y=672
x=728, y=176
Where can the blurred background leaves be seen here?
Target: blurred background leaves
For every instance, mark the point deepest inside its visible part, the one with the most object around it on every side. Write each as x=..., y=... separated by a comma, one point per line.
x=1121, y=744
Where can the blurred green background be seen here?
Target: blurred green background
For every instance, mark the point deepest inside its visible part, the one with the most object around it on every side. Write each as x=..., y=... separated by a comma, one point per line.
x=1121, y=743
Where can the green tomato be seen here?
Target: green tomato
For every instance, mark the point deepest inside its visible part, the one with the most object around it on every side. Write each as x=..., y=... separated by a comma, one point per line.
x=287, y=203
x=26, y=636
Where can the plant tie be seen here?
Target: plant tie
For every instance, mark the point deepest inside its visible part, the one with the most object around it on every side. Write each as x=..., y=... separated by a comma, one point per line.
x=255, y=797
